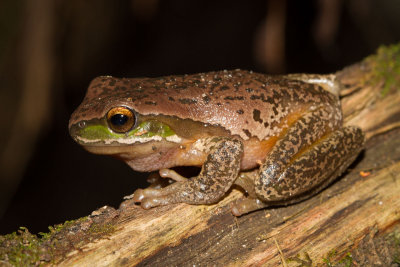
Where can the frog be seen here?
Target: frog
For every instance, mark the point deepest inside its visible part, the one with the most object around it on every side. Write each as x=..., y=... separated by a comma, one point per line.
x=278, y=138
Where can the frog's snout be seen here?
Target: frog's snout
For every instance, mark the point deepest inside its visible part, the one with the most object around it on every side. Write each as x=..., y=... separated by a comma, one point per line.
x=74, y=131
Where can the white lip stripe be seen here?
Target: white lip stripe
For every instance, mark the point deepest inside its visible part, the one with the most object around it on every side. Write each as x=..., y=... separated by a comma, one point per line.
x=172, y=138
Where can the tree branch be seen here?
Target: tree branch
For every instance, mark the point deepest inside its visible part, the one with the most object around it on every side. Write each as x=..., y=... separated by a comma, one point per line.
x=363, y=203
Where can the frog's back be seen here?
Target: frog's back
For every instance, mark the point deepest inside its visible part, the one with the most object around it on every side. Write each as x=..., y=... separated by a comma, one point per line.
x=244, y=103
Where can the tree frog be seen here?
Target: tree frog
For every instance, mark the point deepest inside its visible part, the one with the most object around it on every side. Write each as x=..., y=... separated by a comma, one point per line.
x=280, y=138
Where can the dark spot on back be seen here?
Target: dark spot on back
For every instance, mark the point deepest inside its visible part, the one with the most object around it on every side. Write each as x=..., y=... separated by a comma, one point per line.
x=236, y=85
x=240, y=111
x=262, y=98
x=97, y=85
x=170, y=98
x=187, y=101
x=254, y=97
x=234, y=98
x=150, y=103
x=112, y=82
x=256, y=115
x=247, y=132
x=275, y=110
x=223, y=88
x=206, y=99
x=213, y=86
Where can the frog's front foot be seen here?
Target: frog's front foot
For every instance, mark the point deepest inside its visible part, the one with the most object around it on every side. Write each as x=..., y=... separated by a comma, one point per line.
x=153, y=197
x=157, y=194
x=150, y=197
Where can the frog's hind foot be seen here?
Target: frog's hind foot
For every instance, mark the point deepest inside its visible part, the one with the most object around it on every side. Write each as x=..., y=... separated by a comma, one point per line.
x=246, y=205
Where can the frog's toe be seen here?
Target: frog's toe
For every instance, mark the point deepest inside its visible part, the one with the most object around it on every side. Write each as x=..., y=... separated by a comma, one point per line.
x=156, y=181
x=138, y=195
x=149, y=202
x=246, y=205
x=168, y=173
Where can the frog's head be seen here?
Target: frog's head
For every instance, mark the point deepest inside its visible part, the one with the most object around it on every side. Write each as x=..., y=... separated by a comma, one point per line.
x=107, y=121
x=121, y=125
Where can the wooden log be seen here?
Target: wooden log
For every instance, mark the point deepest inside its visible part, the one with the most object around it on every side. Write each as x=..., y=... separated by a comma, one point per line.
x=330, y=226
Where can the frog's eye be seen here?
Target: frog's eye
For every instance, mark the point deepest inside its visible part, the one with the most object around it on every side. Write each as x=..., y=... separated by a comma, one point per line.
x=121, y=119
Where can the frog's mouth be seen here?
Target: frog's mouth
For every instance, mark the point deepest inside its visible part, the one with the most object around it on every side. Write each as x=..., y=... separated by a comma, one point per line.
x=133, y=151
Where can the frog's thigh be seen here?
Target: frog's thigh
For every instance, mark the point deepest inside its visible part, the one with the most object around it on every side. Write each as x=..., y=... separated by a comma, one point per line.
x=216, y=177
x=312, y=169
x=300, y=136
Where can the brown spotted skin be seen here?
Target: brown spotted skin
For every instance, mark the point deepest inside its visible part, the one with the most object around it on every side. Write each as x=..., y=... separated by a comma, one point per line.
x=247, y=104
x=232, y=121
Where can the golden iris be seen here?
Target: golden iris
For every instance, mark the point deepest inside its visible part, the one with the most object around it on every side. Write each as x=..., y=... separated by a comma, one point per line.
x=121, y=119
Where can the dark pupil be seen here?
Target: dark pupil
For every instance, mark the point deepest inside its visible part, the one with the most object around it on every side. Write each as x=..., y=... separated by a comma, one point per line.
x=119, y=119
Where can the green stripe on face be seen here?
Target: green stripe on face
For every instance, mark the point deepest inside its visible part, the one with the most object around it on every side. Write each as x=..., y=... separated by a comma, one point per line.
x=152, y=128
x=145, y=129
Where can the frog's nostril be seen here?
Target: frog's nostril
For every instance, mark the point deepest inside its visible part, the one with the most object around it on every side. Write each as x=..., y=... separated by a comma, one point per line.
x=82, y=124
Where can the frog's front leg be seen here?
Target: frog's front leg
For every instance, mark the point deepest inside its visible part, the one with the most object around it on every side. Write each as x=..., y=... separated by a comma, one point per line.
x=304, y=161
x=217, y=175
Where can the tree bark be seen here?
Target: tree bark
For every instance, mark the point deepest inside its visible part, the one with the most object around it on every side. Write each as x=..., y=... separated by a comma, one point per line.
x=341, y=222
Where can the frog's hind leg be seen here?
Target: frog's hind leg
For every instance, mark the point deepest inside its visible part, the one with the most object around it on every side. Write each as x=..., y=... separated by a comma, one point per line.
x=312, y=152
x=311, y=170
x=217, y=175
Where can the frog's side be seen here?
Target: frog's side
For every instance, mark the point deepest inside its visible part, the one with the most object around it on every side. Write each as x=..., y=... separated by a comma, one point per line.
x=226, y=122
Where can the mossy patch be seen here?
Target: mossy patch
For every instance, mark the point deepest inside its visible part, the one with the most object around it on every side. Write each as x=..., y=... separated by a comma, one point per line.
x=330, y=260
x=394, y=239
x=304, y=261
x=346, y=261
x=23, y=248
x=386, y=68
